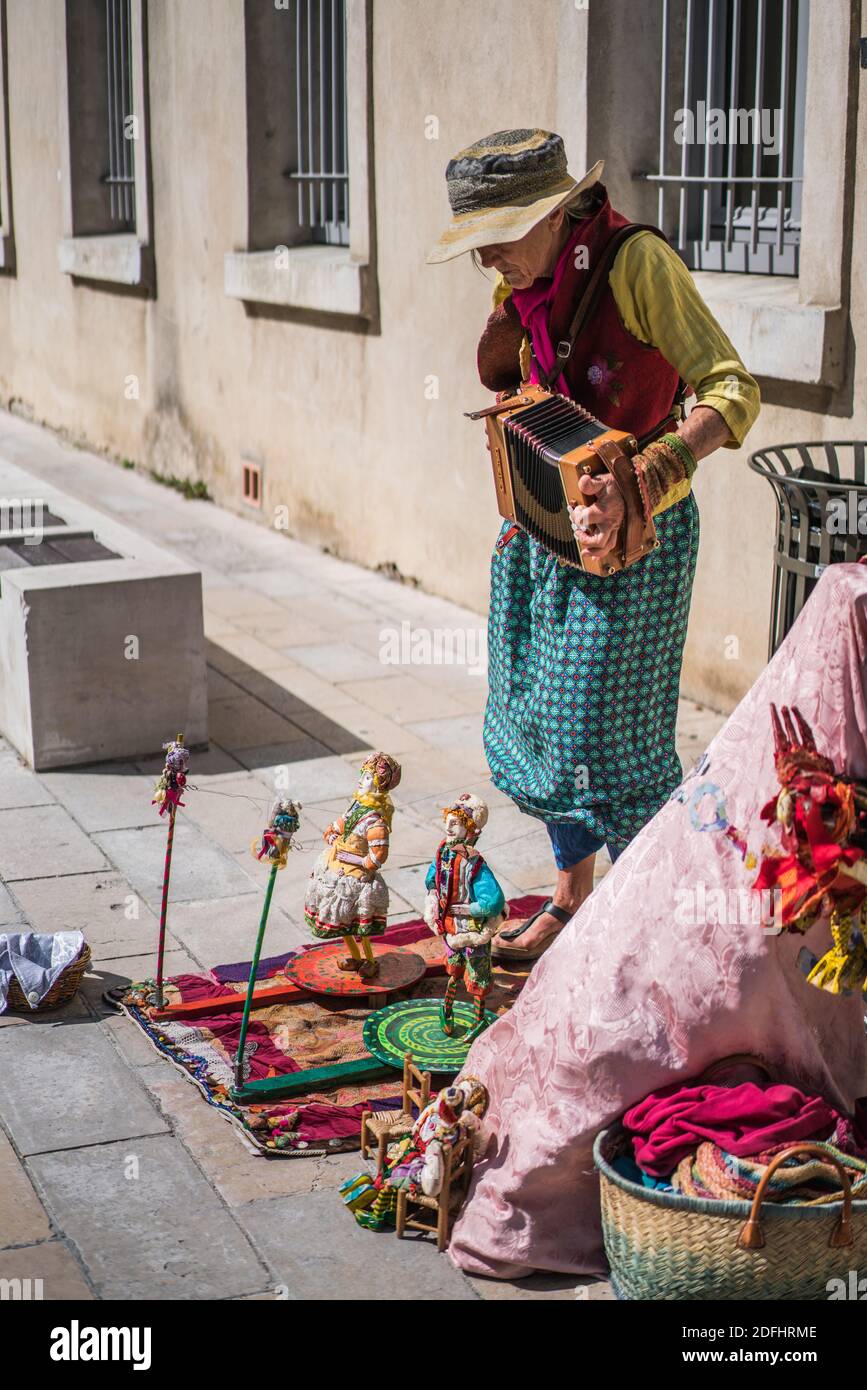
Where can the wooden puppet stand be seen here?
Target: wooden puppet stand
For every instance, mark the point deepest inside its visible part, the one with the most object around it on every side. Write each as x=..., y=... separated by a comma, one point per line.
x=294, y=991
x=413, y=1025
x=318, y=971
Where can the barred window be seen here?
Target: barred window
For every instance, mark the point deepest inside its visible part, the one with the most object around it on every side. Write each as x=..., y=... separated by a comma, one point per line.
x=318, y=79
x=731, y=132
x=104, y=125
x=119, y=176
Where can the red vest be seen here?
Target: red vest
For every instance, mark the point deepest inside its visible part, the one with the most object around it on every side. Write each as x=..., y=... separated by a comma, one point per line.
x=620, y=380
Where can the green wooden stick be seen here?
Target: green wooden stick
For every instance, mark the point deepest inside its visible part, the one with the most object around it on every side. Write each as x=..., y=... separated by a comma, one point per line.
x=248, y=1002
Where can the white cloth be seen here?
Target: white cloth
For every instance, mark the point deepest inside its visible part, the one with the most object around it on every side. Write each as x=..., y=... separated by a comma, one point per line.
x=35, y=960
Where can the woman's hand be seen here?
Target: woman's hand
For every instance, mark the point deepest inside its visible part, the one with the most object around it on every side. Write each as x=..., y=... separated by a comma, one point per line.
x=597, y=522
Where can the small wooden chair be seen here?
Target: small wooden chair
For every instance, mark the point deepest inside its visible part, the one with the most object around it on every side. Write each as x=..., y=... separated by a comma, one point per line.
x=457, y=1172
x=384, y=1126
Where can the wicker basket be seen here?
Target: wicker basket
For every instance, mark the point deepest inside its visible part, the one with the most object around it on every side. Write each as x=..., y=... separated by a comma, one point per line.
x=63, y=991
x=662, y=1246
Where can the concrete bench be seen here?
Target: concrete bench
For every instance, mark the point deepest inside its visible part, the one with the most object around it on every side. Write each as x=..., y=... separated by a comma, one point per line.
x=101, y=637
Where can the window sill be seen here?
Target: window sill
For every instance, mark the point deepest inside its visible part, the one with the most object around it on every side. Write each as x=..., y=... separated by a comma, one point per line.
x=777, y=336
x=116, y=258
x=324, y=279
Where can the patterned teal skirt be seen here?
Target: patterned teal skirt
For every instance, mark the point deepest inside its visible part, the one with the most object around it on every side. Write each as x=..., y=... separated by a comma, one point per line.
x=584, y=677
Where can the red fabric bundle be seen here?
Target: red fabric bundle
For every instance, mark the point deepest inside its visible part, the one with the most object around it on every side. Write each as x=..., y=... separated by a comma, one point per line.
x=744, y=1120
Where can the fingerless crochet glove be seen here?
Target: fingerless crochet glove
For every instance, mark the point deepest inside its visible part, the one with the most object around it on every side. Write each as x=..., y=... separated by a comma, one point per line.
x=664, y=471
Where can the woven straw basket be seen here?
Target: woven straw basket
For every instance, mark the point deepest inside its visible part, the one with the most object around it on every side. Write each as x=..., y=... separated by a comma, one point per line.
x=663, y=1246
x=63, y=991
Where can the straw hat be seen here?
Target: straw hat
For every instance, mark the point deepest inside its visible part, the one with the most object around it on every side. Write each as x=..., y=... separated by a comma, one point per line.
x=502, y=185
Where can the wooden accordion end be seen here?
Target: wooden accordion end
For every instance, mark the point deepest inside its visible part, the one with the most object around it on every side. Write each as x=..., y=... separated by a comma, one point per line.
x=541, y=445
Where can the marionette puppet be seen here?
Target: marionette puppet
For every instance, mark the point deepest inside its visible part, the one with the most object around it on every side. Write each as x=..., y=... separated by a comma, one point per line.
x=272, y=848
x=347, y=896
x=167, y=795
x=822, y=815
x=466, y=907
x=417, y=1164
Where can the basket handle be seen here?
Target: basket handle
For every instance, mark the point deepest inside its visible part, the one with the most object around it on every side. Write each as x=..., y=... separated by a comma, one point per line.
x=752, y=1237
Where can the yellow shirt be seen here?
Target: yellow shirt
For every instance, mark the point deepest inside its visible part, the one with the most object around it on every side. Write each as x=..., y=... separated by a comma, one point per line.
x=659, y=304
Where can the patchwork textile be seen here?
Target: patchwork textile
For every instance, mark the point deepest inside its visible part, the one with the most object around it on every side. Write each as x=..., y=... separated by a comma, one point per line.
x=295, y=1037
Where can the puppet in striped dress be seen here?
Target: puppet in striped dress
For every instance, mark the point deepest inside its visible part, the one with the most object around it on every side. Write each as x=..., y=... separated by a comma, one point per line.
x=465, y=906
x=347, y=896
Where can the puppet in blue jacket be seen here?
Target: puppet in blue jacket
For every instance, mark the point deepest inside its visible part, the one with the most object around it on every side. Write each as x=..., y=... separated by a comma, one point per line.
x=465, y=906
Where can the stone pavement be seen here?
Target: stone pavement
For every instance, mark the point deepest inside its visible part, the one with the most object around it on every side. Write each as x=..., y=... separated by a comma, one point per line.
x=116, y=1180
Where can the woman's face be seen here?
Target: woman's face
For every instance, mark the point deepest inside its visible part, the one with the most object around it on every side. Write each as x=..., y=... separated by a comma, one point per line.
x=534, y=255
x=367, y=781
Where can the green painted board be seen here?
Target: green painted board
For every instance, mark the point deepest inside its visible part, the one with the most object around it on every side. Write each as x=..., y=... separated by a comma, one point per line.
x=297, y=1082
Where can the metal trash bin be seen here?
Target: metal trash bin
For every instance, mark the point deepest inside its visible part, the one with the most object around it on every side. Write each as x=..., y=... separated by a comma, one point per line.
x=821, y=495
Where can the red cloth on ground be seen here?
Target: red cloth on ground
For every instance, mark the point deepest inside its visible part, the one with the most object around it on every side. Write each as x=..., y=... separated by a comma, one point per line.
x=744, y=1120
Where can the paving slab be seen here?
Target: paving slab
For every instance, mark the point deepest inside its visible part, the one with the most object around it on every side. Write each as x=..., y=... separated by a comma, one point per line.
x=115, y=920
x=374, y=730
x=23, y=1219
x=18, y=785
x=315, y=1247
x=231, y=654
x=293, y=630
x=339, y=661
x=10, y=912
x=311, y=780
x=217, y=932
x=199, y=868
x=237, y=1172
x=66, y=1086
x=280, y=584
x=110, y=796
x=267, y=755
x=244, y=722
x=231, y=811
x=54, y=1273
x=147, y=1222
x=44, y=842
x=310, y=688
x=460, y=735
x=402, y=698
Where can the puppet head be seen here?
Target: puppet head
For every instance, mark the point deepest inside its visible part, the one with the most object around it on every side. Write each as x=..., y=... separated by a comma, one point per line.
x=465, y=818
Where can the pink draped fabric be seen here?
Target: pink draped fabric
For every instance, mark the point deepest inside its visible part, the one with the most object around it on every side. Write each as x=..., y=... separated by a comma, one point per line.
x=659, y=974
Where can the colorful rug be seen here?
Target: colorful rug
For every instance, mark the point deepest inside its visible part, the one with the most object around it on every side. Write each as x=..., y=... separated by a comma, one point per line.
x=294, y=1037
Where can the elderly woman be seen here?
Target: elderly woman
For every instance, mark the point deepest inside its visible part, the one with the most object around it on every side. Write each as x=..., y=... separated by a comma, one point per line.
x=584, y=670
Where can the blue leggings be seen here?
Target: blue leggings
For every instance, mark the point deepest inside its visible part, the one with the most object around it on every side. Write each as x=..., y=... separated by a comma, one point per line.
x=572, y=843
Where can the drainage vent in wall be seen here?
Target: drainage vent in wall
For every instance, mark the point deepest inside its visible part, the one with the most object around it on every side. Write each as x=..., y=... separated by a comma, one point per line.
x=251, y=483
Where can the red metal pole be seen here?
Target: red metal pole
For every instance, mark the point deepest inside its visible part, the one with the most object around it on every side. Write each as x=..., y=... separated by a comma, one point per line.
x=157, y=998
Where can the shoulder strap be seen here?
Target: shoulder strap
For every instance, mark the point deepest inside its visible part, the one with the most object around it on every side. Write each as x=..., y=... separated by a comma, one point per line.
x=592, y=294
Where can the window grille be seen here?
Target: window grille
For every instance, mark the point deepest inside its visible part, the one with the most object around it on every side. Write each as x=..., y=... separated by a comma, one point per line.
x=732, y=194
x=120, y=177
x=319, y=83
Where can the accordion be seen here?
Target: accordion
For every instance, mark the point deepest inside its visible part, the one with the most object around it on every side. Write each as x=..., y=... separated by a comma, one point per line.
x=541, y=445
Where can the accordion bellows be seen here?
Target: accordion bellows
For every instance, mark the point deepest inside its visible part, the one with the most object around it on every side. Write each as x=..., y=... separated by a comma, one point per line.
x=541, y=445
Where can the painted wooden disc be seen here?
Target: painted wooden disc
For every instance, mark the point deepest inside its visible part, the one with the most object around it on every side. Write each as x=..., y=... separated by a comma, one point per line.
x=413, y=1025
x=318, y=970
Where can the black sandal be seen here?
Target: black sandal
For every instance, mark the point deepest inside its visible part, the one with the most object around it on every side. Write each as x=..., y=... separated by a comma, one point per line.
x=502, y=948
